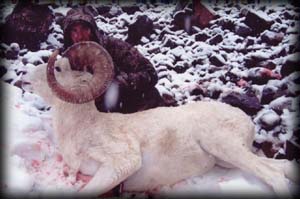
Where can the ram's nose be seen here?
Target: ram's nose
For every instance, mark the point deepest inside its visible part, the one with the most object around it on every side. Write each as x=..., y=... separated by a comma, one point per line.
x=26, y=85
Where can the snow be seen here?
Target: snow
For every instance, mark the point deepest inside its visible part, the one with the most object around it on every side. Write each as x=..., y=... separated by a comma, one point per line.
x=270, y=117
x=32, y=161
x=36, y=57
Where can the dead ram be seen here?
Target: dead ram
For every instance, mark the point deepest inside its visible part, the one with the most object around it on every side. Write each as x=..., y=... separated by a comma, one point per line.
x=160, y=146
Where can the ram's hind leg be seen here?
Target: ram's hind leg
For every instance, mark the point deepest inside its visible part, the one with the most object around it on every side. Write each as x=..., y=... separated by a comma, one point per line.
x=241, y=157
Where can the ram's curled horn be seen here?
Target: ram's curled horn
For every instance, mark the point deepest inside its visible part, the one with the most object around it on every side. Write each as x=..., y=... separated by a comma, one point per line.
x=88, y=55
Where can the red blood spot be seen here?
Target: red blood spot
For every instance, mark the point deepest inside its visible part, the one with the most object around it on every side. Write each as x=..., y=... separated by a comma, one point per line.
x=35, y=163
x=269, y=73
x=59, y=157
x=66, y=169
x=82, y=177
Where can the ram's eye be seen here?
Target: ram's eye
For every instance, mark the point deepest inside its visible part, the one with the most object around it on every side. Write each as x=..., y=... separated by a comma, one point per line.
x=57, y=69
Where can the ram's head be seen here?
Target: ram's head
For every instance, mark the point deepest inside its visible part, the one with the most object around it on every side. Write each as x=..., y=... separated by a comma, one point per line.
x=83, y=74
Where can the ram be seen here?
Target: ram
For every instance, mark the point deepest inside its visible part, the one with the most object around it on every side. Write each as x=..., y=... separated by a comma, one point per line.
x=147, y=149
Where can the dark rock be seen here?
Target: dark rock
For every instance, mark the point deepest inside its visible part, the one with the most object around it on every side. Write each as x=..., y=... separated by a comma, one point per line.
x=278, y=20
x=91, y=10
x=215, y=94
x=143, y=26
x=25, y=61
x=181, y=67
x=291, y=65
x=271, y=93
x=197, y=91
x=103, y=10
x=231, y=77
x=281, y=53
x=169, y=99
x=216, y=39
x=297, y=80
x=257, y=22
x=11, y=55
x=28, y=25
x=217, y=60
x=201, y=37
x=45, y=59
x=267, y=64
x=288, y=15
x=250, y=41
x=294, y=48
x=131, y=9
x=163, y=33
x=3, y=71
x=272, y=38
x=59, y=19
x=168, y=42
x=253, y=61
x=197, y=61
x=243, y=30
x=247, y=102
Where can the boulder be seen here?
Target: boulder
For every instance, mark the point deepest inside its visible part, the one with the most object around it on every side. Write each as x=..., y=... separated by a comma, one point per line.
x=248, y=102
x=216, y=39
x=3, y=71
x=169, y=99
x=258, y=21
x=270, y=93
x=272, y=38
x=242, y=30
x=217, y=60
x=143, y=26
x=267, y=64
x=103, y=10
x=290, y=65
x=131, y=9
x=28, y=25
x=201, y=37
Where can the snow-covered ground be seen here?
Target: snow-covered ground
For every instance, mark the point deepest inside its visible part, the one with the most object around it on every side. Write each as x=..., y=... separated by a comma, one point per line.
x=187, y=70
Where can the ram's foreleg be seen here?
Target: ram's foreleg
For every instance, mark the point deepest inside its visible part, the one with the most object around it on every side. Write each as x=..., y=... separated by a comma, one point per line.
x=111, y=174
